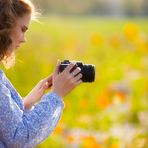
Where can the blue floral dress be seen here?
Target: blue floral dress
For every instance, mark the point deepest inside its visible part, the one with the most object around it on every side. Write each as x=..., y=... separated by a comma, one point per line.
x=22, y=128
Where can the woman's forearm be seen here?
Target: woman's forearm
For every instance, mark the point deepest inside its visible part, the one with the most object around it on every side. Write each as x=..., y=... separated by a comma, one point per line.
x=28, y=102
x=27, y=129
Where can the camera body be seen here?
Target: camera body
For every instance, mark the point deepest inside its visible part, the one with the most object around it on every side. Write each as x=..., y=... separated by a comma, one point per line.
x=87, y=71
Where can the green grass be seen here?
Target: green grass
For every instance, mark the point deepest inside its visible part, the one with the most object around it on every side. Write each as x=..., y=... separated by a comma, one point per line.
x=90, y=40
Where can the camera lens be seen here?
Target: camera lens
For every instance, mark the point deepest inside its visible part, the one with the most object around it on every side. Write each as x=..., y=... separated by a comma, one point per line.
x=88, y=72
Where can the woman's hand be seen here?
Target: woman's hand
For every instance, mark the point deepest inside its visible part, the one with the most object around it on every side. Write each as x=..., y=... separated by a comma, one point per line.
x=65, y=82
x=37, y=92
x=62, y=84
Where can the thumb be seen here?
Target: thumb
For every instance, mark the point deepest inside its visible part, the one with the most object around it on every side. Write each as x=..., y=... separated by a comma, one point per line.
x=49, y=79
x=45, y=86
x=57, y=68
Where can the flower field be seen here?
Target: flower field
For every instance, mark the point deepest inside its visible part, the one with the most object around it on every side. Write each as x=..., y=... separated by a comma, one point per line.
x=112, y=112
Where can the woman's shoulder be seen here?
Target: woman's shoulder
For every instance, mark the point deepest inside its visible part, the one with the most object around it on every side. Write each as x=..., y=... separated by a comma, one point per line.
x=2, y=75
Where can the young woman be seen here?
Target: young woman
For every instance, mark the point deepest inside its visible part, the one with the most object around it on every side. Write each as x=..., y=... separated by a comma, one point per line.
x=24, y=123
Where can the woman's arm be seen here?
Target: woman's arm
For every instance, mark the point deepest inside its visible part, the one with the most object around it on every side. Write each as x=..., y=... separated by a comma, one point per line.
x=62, y=83
x=37, y=92
x=19, y=129
x=27, y=129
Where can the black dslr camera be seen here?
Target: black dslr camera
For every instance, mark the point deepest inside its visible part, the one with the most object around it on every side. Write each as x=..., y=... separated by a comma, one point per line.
x=87, y=71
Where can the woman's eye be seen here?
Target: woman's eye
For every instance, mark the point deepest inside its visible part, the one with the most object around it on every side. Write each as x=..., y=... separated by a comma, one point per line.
x=23, y=30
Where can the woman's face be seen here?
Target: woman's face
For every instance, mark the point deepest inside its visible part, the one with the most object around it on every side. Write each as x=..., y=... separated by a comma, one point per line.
x=18, y=32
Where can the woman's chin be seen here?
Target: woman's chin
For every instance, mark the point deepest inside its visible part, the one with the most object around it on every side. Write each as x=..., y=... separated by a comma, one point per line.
x=17, y=46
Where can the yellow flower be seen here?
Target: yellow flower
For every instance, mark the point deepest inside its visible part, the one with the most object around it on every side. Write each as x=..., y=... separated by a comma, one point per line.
x=85, y=119
x=96, y=39
x=114, y=146
x=142, y=42
x=84, y=103
x=131, y=31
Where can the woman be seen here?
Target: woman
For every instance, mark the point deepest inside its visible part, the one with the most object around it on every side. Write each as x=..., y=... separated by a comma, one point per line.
x=26, y=123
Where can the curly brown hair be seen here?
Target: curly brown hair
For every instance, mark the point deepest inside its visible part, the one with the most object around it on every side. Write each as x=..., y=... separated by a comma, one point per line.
x=10, y=10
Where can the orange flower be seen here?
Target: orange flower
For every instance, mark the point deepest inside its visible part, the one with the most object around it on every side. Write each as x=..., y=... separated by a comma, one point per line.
x=121, y=96
x=103, y=101
x=70, y=139
x=90, y=142
x=115, y=41
x=58, y=130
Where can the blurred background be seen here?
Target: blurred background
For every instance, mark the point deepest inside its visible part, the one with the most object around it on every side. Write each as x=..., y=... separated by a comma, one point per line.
x=94, y=7
x=112, y=112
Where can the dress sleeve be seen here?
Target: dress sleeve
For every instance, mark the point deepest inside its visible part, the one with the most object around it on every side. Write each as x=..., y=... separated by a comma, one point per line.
x=20, y=129
x=1, y=145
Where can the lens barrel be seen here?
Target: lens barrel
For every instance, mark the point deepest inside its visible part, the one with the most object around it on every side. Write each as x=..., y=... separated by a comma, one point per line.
x=87, y=71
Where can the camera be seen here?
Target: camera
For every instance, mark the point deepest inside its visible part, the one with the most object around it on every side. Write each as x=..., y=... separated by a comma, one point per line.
x=87, y=71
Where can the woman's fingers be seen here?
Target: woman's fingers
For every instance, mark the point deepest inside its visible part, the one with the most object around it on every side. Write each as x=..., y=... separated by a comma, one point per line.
x=78, y=82
x=78, y=77
x=69, y=67
x=45, y=83
x=76, y=71
x=48, y=79
x=64, y=82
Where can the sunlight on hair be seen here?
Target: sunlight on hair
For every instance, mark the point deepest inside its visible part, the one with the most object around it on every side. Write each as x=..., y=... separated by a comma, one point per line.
x=9, y=61
x=35, y=14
